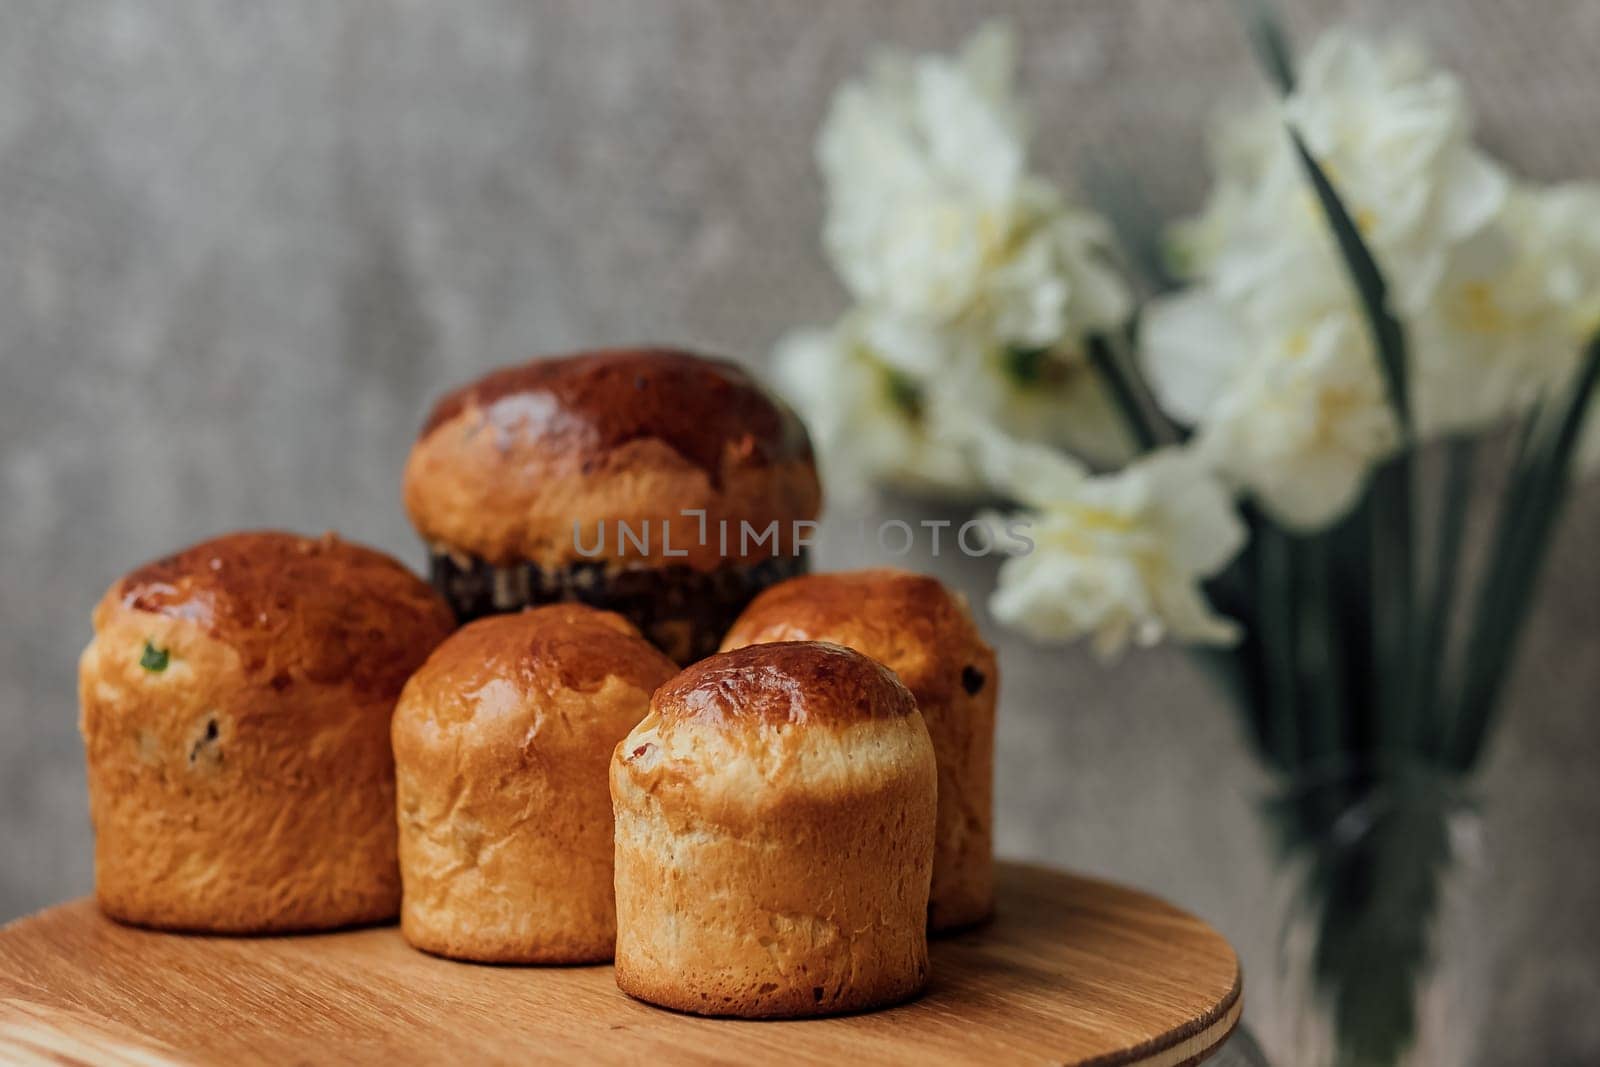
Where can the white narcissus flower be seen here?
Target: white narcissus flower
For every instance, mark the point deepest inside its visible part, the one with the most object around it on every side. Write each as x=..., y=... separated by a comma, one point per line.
x=1270, y=357
x=1568, y=255
x=1118, y=557
x=1392, y=133
x=932, y=216
x=1292, y=409
x=870, y=421
x=1512, y=313
x=880, y=411
x=1561, y=228
x=1049, y=396
x=977, y=283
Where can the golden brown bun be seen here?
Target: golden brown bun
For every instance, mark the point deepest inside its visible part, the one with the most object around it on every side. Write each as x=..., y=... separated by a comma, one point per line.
x=506, y=465
x=774, y=825
x=235, y=712
x=924, y=633
x=501, y=745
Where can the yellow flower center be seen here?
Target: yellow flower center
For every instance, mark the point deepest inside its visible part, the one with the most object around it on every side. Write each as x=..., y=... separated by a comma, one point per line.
x=1334, y=407
x=1104, y=520
x=1087, y=524
x=1475, y=310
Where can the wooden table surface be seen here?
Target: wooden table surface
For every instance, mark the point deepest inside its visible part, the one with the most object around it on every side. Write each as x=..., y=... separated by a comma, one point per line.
x=1073, y=971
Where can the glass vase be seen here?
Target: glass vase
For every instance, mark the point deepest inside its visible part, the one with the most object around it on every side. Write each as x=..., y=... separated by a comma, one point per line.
x=1387, y=943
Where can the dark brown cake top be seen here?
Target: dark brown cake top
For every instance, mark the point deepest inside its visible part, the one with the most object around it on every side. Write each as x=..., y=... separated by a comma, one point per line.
x=320, y=607
x=596, y=401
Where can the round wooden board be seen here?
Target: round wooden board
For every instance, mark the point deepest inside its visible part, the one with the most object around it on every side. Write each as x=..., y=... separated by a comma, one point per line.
x=1073, y=971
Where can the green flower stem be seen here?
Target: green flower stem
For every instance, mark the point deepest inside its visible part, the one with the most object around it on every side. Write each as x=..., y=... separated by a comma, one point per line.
x=1239, y=669
x=1350, y=568
x=1494, y=587
x=1270, y=43
x=1433, y=641
x=1275, y=585
x=1388, y=336
x=1123, y=393
x=1394, y=603
x=1527, y=521
x=1320, y=655
x=1393, y=573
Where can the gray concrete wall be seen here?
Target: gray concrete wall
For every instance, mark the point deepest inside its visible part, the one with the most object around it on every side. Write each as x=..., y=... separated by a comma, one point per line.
x=241, y=244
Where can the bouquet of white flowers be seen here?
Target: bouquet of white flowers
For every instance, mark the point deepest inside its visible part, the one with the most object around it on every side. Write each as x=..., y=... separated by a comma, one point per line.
x=1235, y=463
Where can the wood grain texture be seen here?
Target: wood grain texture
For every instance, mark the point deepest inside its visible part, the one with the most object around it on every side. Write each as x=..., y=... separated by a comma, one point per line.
x=1073, y=971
